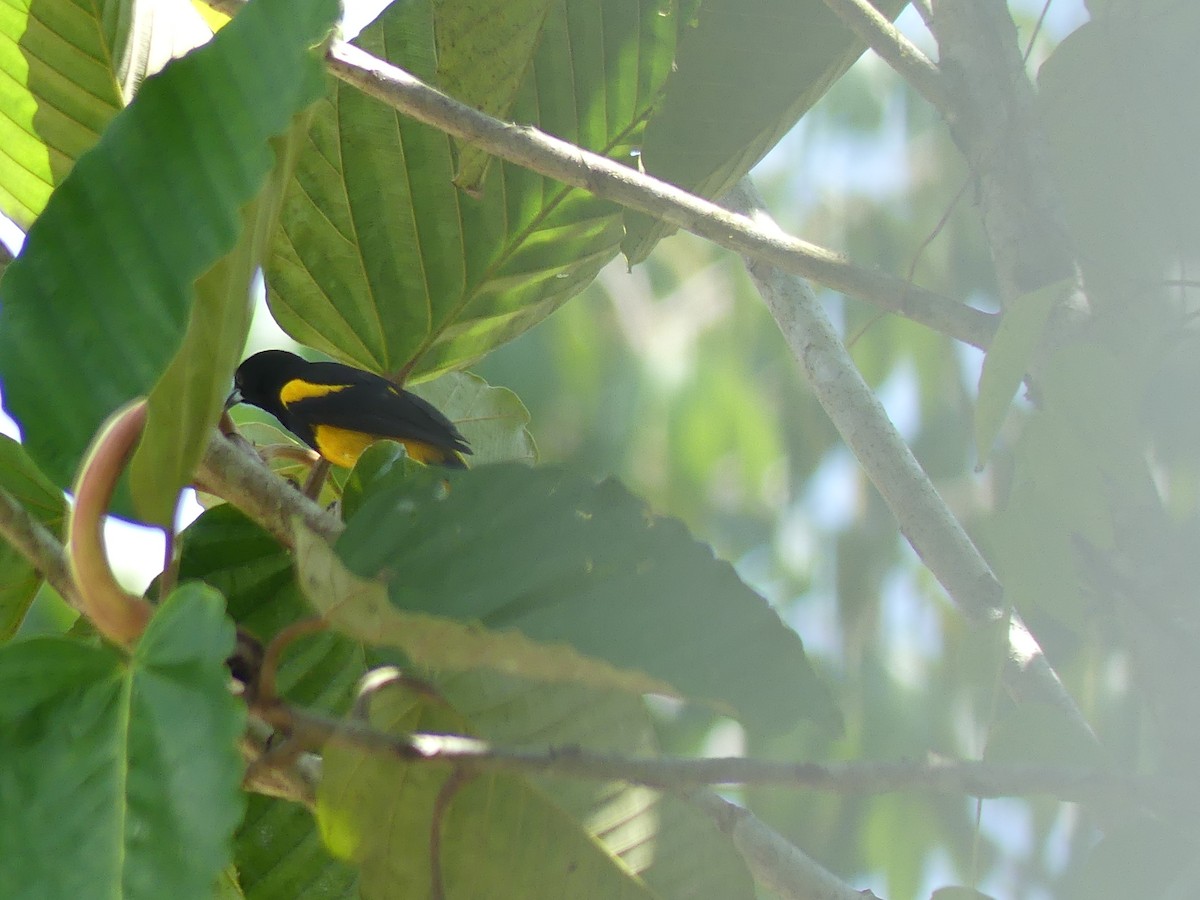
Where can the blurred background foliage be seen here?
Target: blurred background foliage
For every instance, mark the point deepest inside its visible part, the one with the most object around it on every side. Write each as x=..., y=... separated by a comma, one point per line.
x=674, y=377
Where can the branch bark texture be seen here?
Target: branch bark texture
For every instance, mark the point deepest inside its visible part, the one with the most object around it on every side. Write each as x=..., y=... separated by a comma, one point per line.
x=547, y=155
x=312, y=731
x=924, y=519
x=994, y=124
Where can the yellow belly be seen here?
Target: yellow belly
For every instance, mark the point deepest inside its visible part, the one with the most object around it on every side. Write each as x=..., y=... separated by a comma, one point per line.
x=343, y=448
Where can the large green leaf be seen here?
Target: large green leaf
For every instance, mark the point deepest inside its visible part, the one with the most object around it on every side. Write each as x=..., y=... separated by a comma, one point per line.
x=26, y=484
x=501, y=837
x=745, y=73
x=120, y=776
x=382, y=262
x=229, y=552
x=359, y=608
x=98, y=303
x=484, y=49
x=69, y=67
x=560, y=559
x=279, y=854
x=677, y=852
x=188, y=399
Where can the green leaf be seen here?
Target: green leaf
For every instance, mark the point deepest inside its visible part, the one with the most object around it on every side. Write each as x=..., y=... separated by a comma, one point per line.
x=1008, y=359
x=1058, y=496
x=500, y=836
x=484, y=49
x=232, y=554
x=493, y=420
x=382, y=262
x=24, y=481
x=126, y=767
x=98, y=302
x=188, y=399
x=1128, y=194
x=1079, y=473
x=744, y=75
x=560, y=559
x=359, y=608
x=279, y=854
x=674, y=848
x=69, y=68
x=228, y=887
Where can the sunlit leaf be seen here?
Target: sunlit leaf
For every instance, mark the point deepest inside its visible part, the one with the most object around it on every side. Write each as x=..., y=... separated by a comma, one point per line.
x=99, y=300
x=484, y=50
x=69, y=67
x=382, y=262
x=500, y=836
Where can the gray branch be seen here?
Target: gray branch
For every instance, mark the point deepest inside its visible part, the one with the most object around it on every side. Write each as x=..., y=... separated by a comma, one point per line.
x=924, y=519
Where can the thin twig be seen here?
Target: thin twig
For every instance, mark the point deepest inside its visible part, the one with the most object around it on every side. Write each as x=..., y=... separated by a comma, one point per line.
x=996, y=128
x=895, y=49
x=239, y=476
x=316, y=479
x=296, y=781
x=775, y=863
x=924, y=519
x=968, y=778
x=610, y=180
x=273, y=654
x=605, y=178
x=39, y=546
x=441, y=808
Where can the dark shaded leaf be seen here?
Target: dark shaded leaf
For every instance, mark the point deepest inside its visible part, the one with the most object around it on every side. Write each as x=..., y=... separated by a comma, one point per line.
x=561, y=559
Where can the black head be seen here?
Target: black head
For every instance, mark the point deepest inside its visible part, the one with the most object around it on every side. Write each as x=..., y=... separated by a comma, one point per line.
x=259, y=378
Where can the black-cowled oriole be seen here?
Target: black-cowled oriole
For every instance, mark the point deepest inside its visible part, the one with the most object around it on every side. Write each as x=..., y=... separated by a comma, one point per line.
x=339, y=411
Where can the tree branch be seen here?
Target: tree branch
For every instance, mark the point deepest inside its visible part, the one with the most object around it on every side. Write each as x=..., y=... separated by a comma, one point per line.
x=995, y=126
x=547, y=155
x=775, y=862
x=895, y=49
x=311, y=731
x=923, y=516
x=234, y=472
x=39, y=546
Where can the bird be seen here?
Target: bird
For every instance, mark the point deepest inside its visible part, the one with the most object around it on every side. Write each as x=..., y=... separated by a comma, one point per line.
x=339, y=410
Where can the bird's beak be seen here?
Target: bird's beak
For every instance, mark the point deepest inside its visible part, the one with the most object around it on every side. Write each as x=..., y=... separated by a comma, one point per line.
x=234, y=398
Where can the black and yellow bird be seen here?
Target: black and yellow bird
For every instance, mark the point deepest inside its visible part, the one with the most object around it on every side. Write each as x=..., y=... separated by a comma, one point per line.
x=339, y=411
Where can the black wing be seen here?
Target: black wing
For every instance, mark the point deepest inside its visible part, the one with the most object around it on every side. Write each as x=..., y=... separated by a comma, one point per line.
x=374, y=405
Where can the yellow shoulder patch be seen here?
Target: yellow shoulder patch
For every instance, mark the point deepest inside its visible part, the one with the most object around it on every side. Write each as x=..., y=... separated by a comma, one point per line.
x=299, y=389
